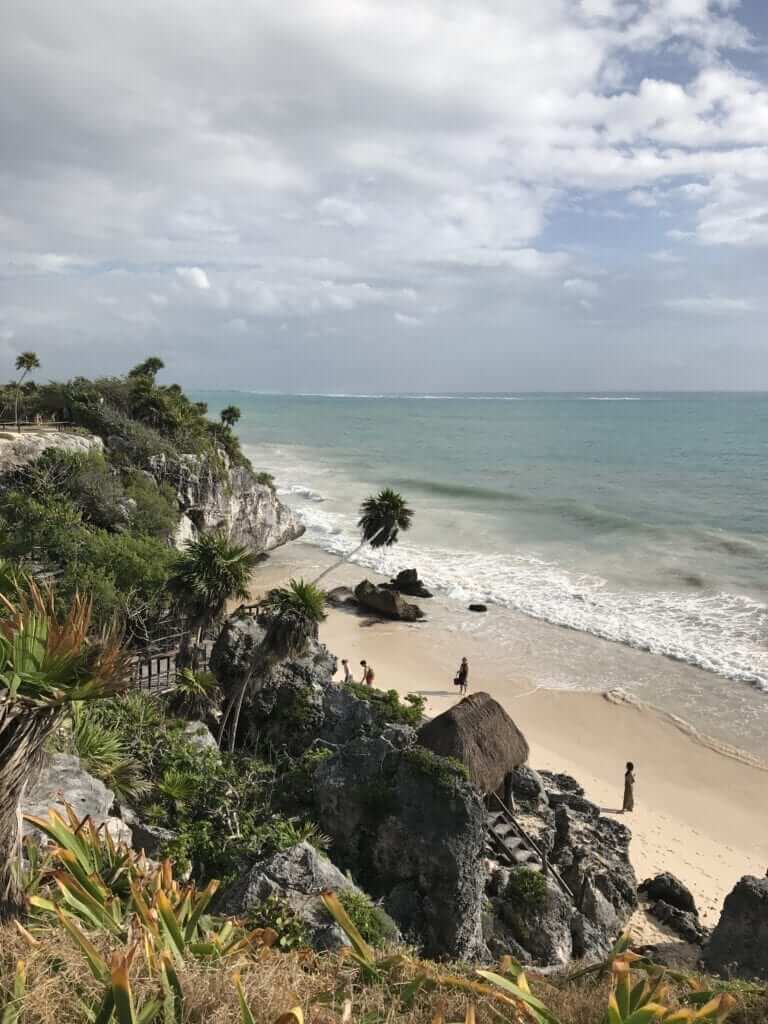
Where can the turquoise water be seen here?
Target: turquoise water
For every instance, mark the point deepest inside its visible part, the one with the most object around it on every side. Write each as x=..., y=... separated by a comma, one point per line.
x=637, y=518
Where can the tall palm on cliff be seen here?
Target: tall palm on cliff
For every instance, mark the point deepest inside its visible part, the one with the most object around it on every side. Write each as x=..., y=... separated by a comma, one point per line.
x=25, y=363
x=47, y=659
x=294, y=614
x=210, y=572
x=382, y=517
x=230, y=415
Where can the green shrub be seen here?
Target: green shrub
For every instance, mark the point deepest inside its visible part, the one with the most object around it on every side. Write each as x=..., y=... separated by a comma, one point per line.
x=526, y=888
x=272, y=912
x=446, y=771
x=388, y=707
x=371, y=921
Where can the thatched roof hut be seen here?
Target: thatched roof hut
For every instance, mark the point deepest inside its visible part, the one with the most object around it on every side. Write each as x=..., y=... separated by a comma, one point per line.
x=478, y=732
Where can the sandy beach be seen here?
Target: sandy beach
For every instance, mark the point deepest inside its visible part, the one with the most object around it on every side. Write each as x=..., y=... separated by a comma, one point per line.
x=700, y=812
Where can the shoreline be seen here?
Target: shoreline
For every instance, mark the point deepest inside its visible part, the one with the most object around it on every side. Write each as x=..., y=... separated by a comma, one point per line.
x=692, y=791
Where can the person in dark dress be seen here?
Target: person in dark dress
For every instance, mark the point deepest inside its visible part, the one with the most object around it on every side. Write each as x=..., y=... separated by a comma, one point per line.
x=629, y=788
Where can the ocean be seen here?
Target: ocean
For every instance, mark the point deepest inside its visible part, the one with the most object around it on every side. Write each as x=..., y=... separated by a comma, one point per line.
x=639, y=519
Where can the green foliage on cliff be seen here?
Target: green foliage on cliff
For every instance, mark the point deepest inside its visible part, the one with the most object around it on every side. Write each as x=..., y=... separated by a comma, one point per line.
x=388, y=707
x=446, y=771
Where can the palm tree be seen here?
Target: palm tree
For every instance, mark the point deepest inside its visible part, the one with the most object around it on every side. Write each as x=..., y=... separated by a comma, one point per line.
x=295, y=613
x=26, y=362
x=230, y=415
x=149, y=368
x=208, y=573
x=382, y=517
x=47, y=660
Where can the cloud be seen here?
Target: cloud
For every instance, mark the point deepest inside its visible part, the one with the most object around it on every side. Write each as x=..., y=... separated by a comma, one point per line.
x=194, y=276
x=408, y=321
x=579, y=287
x=716, y=306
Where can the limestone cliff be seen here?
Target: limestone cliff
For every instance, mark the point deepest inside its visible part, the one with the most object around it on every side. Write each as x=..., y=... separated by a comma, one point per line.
x=231, y=498
x=19, y=449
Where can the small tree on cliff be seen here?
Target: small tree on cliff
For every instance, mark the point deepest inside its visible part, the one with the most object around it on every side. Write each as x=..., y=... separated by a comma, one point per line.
x=230, y=415
x=149, y=368
x=47, y=659
x=382, y=517
x=208, y=573
x=295, y=613
x=25, y=363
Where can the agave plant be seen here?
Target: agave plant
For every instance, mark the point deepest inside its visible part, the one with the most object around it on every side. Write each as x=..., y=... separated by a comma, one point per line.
x=195, y=696
x=382, y=517
x=47, y=660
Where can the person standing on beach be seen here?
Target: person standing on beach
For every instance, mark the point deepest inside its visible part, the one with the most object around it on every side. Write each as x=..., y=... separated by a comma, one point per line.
x=368, y=674
x=629, y=788
x=348, y=677
x=462, y=676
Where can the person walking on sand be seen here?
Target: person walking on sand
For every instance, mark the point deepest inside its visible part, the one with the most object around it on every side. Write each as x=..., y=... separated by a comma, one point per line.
x=368, y=674
x=462, y=677
x=348, y=677
x=629, y=788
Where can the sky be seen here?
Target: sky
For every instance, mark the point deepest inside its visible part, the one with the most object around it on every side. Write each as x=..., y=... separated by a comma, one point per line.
x=340, y=195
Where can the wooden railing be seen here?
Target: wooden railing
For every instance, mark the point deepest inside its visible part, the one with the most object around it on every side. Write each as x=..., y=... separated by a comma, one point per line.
x=20, y=427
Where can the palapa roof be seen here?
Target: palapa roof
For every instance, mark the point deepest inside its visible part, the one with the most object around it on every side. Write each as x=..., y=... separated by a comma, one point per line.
x=478, y=732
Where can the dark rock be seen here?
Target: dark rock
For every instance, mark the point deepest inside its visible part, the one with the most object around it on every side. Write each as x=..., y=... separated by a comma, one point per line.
x=478, y=608
x=386, y=602
x=400, y=736
x=739, y=944
x=543, y=930
x=297, y=876
x=671, y=890
x=527, y=784
x=341, y=597
x=683, y=922
x=557, y=782
x=407, y=582
x=412, y=830
x=146, y=837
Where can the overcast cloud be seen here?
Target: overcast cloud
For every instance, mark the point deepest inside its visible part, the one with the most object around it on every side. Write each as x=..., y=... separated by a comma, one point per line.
x=428, y=194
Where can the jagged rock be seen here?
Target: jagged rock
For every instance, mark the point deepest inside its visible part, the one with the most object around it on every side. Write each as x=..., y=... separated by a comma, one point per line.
x=227, y=497
x=739, y=944
x=527, y=784
x=407, y=582
x=557, y=782
x=62, y=779
x=146, y=837
x=21, y=449
x=341, y=597
x=478, y=608
x=412, y=830
x=684, y=922
x=297, y=876
x=544, y=930
x=671, y=890
x=386, y=602
x=200, y=737
x=400, y=736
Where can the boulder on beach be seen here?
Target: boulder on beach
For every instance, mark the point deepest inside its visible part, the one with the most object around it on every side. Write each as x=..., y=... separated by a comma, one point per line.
x=478, y=732
x=478, y=608
x=386, y=602
x=739, y=944
x=407, y=582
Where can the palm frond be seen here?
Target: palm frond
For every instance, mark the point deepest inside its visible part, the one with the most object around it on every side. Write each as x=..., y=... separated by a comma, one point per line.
x=383, y=516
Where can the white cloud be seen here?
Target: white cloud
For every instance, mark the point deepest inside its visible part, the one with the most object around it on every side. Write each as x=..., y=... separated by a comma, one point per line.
x=714, y=305
x=639, y=197
x=579, y=287
x=408, y=321
x=194, y=276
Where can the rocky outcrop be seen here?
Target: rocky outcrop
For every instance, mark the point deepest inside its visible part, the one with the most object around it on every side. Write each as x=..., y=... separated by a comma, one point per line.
x=739, y=944
x=407, y=582
x=297, y=877
x=386, y=602
x=669, y=889
x=222, y=496
x=20, y=449
x=411, y=828
x=62, y=780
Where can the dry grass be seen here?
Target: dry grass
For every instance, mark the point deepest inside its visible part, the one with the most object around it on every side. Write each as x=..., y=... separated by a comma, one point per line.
x=58, y=978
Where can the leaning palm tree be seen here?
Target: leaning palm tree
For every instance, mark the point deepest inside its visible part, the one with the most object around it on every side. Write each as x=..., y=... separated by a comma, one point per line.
x=26, y=362
x=294, y=615
x=47, y=660
x=382, y=517
x=230, y=415
x=208, y=573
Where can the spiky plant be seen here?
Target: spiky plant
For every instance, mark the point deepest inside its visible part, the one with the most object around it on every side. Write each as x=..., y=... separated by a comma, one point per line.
x=47, y=659
x=195, y=696
x=208, y=573
x=382, y=517
x=294, y=614
x=103, y=752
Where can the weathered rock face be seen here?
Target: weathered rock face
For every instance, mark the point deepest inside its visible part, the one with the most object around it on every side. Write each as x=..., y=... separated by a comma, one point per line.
x=386, y=602
x=297, y=876
x=62, y=779
x=412, y=830
x=544, y=931
x=739, y=944
x=671, y=890
x=407, y=582
x=228, y=498
x=17, y=450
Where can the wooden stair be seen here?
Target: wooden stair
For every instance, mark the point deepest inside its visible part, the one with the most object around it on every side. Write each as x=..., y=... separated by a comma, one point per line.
x=508, y=842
